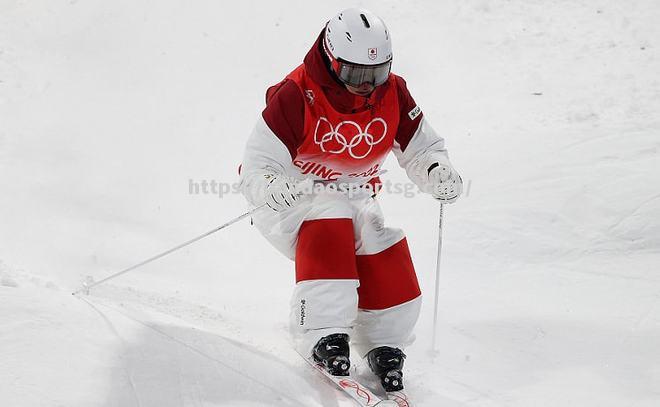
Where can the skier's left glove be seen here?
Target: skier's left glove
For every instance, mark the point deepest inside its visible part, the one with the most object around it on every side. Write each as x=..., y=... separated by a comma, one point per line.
x=445, y=184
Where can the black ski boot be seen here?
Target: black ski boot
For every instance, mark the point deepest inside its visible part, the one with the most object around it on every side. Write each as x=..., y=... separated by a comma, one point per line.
x=386, y=363
x=333, y=352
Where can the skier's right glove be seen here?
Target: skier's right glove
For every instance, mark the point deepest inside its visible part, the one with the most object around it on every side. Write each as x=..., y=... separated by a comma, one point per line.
x=283, y=192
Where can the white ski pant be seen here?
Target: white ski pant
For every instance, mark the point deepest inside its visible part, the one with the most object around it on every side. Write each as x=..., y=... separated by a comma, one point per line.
x=353, y=274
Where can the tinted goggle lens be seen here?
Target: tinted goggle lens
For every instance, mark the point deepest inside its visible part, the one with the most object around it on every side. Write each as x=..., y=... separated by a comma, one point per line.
x=356, y=75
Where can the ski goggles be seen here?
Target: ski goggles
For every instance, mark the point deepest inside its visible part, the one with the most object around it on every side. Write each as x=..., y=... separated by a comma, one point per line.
x=355, y=75
x=352, y=74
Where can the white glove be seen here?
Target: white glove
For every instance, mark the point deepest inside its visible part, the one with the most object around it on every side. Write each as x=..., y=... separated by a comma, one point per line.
x=282, y=192
x=444, y=182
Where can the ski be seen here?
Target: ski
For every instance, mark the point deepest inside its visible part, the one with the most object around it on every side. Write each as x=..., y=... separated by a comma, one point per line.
x=351, y=387
x=399, y=397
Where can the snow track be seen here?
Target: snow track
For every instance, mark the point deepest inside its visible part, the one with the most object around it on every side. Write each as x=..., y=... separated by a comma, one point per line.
x=223, y=370
x=147, y=357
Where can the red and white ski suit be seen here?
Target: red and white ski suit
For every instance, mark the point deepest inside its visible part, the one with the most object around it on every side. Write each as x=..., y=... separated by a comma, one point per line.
x=353, y=274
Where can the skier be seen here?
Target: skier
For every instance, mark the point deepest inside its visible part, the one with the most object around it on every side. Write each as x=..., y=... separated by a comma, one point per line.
x=332, y=121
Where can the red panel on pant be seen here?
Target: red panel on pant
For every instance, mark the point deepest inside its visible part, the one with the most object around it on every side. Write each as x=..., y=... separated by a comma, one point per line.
x=387, y=278
x=326, y=250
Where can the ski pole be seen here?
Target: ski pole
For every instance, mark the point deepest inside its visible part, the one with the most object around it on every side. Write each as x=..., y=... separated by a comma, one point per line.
x=437, y=280
x=87, y=285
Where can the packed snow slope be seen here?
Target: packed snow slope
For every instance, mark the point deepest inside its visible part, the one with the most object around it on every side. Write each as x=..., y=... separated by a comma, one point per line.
x=111, y=112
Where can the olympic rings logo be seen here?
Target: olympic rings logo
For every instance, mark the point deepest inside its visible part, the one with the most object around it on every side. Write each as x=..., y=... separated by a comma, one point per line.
x=339, y=143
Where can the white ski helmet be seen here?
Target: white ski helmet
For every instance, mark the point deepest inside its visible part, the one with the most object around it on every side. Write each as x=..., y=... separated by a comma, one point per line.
x=359, y=47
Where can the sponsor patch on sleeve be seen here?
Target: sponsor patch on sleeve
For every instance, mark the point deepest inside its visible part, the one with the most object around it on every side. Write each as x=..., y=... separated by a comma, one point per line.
x=414, y=113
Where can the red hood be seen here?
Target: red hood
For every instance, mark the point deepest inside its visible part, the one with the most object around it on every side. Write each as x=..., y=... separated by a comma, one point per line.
x=317, y=66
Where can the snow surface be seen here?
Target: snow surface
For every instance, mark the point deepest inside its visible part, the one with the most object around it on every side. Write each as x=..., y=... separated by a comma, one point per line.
x=550, y=288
